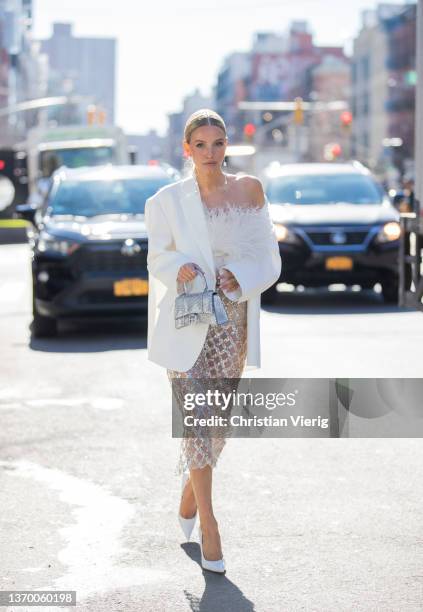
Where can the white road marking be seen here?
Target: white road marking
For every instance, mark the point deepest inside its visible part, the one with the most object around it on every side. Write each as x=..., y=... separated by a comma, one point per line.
x=12, y=291
x=92, y=549
x=98, y=403
x=9, y=393
x=107, y=403
x=11, y=406
x=42, y=402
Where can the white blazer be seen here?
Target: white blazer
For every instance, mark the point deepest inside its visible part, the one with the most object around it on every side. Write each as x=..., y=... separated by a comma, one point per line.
x=178, y=234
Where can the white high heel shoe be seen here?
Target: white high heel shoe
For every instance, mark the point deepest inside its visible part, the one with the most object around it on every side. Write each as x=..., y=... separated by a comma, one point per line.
x=187, y=524
x=217, y=566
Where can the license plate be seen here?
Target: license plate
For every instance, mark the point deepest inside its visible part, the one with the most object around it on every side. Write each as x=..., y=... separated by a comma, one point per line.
x=130, y=286
x=339, y=263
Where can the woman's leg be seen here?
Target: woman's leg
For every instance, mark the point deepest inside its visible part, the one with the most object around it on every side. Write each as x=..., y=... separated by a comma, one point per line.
x=201, y=481
x=188, y=505
x=213, y=362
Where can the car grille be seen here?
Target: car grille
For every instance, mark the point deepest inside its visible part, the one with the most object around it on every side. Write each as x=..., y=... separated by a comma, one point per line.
x=108, y=258
x=328, y=238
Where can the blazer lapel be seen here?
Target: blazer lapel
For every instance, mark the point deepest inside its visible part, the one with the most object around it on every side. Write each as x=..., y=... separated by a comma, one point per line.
x=192, y=208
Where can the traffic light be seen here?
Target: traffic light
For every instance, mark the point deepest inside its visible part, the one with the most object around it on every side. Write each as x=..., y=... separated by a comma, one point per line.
x=332, y=151
x=91, y=114
x=346, y=119
x=95, y=115
x=249, y=131
x=336, y=150
x=101, y=116
x=298, y=111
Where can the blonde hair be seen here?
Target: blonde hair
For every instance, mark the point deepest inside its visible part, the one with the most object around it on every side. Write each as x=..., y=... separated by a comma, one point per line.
x=204, y=116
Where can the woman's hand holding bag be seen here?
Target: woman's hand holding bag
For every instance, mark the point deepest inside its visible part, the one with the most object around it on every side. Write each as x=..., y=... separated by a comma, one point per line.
x=193, y=308
x=187, y=272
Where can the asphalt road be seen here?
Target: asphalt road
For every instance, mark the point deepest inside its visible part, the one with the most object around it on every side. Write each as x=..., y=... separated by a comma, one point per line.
x=88, y=491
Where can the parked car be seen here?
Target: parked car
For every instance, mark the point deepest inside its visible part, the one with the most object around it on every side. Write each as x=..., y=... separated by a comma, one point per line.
x=335, y=224
x=89, y=243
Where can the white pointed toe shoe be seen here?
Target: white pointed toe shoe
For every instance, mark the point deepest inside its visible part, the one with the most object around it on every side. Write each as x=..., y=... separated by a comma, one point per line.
x=217, y=566
x=187, y=524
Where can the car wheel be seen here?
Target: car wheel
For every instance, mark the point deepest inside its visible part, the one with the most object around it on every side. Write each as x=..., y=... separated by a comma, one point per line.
x=42, y=327
x=390, y=292
x=270, y=296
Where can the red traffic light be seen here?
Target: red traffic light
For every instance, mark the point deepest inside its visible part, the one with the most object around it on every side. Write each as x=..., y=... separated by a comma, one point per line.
x=346, y=118
x=336, y=149
x=249, y=129
x=2, y=164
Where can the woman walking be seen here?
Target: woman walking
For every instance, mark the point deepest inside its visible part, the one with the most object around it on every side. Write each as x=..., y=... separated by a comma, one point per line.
x=217, y=225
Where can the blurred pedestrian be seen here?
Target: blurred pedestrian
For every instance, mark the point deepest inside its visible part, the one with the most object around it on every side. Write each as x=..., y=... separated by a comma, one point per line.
x=408, y=186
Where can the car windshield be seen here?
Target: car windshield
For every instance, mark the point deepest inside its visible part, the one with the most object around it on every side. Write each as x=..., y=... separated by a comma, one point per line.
x=102, y=197
x=75, y=158
x=324, y=189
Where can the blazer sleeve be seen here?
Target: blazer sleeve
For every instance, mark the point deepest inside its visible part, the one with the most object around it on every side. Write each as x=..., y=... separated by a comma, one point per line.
x=163, y=261
x=261, y=266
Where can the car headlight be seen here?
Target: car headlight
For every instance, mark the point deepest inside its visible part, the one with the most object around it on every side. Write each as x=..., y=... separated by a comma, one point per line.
x=48, y=242
x=389, y=232
x=283, y=234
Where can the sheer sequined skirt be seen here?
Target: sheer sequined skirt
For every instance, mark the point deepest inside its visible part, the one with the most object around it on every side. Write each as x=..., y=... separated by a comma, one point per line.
x=222, y=357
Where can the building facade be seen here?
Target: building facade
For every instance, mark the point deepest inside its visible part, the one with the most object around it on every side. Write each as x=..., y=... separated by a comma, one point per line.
x=330, y=81
x=173, y=150
x=23, y=69
x=279, y=68
x=149, y=146
x=83, y=66
x=383, y=89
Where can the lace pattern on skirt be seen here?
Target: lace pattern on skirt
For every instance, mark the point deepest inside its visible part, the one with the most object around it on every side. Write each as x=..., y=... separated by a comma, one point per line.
x=223, y=356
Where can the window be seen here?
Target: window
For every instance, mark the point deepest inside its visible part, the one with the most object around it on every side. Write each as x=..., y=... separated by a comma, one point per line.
x=101, y=197
x=324, y=189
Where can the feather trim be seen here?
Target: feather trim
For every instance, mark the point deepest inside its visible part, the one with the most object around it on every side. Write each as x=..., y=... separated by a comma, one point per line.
x=239, y=232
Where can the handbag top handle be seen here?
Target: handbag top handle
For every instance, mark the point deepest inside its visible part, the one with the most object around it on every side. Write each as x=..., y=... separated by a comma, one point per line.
x=204, y=278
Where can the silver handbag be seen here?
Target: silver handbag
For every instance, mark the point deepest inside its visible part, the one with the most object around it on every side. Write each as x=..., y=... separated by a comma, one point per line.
x=204, y=307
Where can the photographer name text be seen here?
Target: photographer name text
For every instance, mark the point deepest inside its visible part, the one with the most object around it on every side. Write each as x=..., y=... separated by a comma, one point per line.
x=255, y=421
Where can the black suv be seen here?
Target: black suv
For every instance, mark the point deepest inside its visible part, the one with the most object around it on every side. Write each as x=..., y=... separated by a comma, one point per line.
x=89, y=243
x=335, y=225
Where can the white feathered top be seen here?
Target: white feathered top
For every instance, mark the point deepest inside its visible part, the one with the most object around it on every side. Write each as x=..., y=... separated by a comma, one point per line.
x=237, y=233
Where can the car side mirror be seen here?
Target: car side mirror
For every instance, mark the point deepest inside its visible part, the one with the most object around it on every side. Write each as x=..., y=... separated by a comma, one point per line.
x=25, y=211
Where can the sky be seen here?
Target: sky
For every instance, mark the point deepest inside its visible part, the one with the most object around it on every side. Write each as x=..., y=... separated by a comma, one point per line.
x=168, y=48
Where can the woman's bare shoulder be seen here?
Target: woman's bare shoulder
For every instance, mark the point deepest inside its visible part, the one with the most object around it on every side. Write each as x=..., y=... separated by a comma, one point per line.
x=252, y=190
